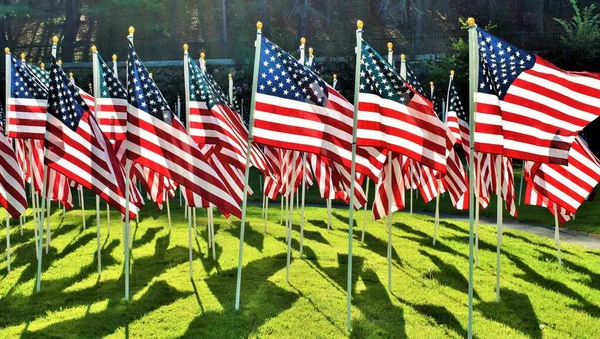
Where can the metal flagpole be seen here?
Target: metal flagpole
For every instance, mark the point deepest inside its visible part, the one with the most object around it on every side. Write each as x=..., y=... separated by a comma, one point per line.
x=477, y=207
x=473, y=86
x=389, y=193
x=230, y=91
x=439, y=192
x=290, y=222
x=498, y=223
x=266, y=211
x=80, y=187
x=334, y=85
x=45, y=181
x=556, y=234
x=328, y=215
x=126, y=231
x=521, y=184
x=359, y=29
x=186, y=77
x=403, y=75
x=247, y=170
x=364, y=224
x=7, y=241
x=96, y=94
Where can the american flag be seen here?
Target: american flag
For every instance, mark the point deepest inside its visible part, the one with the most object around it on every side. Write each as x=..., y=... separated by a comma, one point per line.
x=213, y=121
x=458, y=120
x=12, y=187
x=158, y=140
x=23, y=159
x=382, y=190
x=321, y=166
x=58, y=189
x=568, y=185
x=527, y=108
x=273, y=183
x=35, y=150
x=76, y=148
x=394, y=116
x=112, y=103
x=296, y=109
x=532, y=197
x=456, y=181
x=26, y=102
x=40, y=73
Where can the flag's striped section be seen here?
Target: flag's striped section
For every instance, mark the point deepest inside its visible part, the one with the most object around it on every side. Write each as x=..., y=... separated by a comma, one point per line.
x=12, y=187
x=568, y=185
x=532, y=197
x=382, y=197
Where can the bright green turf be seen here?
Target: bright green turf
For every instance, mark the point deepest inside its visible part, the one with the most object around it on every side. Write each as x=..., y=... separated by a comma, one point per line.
x=428, y=298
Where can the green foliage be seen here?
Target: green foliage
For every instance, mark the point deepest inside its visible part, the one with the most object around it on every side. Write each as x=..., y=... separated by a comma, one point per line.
x=582, y=32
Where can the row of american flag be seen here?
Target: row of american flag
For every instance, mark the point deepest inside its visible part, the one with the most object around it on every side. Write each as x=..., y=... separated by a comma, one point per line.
x=526, y=109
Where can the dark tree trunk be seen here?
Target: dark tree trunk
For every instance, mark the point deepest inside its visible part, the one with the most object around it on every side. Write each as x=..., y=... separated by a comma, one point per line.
x=224, y=16
x=70, y=30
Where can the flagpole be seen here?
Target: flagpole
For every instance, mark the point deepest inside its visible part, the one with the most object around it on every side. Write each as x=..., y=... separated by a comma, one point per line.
x=388, y=178
x=7, y=240
x=521, y=184
x=364, y=224
x=96, y=94
x=80, y=187
x=266, y=211
x=473, y=86
x=556, y=234
x=41, y=219
x=179, y=116
x=290, y=222
x=302, y=61
x=477, y=207
x=329, y=215
x=359, y=30
x=230, y=90
x=403, y=75
x=126, y=243
x=335, y=82
x=186, y=77
x=258, y=41
x=498, y=223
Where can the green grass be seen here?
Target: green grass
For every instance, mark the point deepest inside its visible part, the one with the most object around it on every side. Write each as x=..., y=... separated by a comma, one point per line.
x=586, y=219
x=428, y=298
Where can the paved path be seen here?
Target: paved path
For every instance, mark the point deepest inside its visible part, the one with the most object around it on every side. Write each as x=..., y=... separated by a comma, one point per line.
x=569, y=236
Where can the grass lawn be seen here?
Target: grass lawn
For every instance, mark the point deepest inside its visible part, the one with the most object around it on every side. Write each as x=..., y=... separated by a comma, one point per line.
x=428, y=298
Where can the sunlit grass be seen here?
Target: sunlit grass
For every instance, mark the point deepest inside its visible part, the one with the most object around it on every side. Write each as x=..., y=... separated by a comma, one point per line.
x=428, y=297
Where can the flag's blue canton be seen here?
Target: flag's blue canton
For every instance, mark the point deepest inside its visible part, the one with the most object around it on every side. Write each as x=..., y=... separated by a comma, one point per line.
x=142, y=90
x=378, y=77
x=500, y=63
x=24, y=82
x=40, y=73
x=110, y=86
x=281, y=75
x=64, y=101
x=456, y=105
x=204, y=88
x=412, y=80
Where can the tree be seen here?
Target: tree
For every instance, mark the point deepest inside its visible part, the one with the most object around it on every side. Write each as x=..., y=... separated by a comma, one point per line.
x=582, y=37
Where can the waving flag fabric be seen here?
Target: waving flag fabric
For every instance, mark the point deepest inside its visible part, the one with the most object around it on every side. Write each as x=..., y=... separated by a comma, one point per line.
x=527, y=108
x=12, y=187
x=77, y=148
x=296, y=109
x=382, y=198
x=213, y=121
x=26, y=106
x=394, y=116
x=568, y=185
x=112, y=104
x=532, y=197
x=458, y=120
x=158, y=140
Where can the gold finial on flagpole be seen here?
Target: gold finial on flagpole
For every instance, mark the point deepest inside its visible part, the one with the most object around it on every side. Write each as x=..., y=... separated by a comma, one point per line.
x=150, y=75
x=7, y=50
x=431, y=83
x=185, y=47
x=94, y=49
x=359, y=24
x=335, y=76
x=390, y=46
x=202, y=55
x=114, y=57
x=403, y=57
x=452, y=73
x=131, y=30
x=70, y=74
x=22, y=56
x=230, y=76
x=59, y=62
x=310, y=51
x=42, y=66
x=471, y=21
x=55, y=39
x=303, y=41
x=259, y=25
